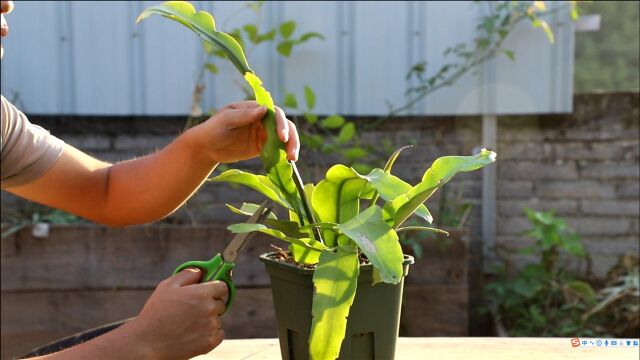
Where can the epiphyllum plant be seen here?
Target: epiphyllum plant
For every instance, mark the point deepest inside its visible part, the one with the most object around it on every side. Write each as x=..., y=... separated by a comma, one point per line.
x=326, y=226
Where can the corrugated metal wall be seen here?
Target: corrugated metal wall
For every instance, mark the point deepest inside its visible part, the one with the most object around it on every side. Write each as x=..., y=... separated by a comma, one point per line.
x=84, y=57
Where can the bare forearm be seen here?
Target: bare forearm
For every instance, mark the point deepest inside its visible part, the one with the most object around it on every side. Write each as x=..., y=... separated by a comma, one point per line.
x=120, y=343
x=151, y=187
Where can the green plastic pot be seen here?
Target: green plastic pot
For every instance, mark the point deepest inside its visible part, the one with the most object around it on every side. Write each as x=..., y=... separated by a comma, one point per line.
x=374, y=317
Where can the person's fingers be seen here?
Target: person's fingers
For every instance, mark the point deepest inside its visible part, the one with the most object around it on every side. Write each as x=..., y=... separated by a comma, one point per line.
x=247, y=104
x=186, y=277
x=219, y=306
x=282, y=125
x=216, y=289
x=293, y=146
x=242, y=117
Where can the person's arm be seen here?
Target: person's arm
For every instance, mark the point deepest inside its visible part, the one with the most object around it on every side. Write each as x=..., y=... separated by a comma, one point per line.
x=151, y=187
x=180, y=320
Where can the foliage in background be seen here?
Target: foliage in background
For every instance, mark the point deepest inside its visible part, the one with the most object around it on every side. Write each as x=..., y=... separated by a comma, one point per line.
x=609, y=59
x=33, y=214
x=617, y=312
x=548, y=299
x=327, y=139
x=544, y=298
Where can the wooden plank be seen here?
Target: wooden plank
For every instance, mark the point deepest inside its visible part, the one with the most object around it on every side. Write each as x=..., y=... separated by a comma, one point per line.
x=434, y=311
x=31, y=320
x=444, y=262
x=90, y=257
x=446, y=348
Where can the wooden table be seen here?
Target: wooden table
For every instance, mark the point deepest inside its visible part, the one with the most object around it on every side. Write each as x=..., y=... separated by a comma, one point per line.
x=445, y=349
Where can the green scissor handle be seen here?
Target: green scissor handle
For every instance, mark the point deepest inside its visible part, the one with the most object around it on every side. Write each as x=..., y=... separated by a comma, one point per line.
x=214, y=269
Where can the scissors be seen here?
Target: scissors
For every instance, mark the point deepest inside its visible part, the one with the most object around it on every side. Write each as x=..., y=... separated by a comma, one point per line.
x=220, y=266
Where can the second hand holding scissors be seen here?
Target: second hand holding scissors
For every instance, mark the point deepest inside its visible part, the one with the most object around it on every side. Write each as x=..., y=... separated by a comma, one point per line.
x=220, y=266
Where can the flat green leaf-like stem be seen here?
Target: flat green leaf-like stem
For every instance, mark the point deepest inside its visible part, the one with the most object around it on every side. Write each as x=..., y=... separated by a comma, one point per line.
x=335, y=281
x=303, y=242
x=378, y=241
x=259, y=183
x=441, y=171
x=390, y=187
x=203, y=24
x=336, y=199
x=249, y=209
x=280, y=171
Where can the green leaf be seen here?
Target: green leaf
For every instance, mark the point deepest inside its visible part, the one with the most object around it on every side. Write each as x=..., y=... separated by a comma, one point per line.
x=321, y=225
x=378, y=241
x=314, y=141
x=263, y=97
x=509, y=54
x=390, y=187
x=284, y=48
x=355, y=153
x=303, y=242
x=249, y=209
x=309, y=36
x=547, y=30
x=309, y=97
x=252, y=32
x=303, y=255
x=335, y=281
x=483, y=43
x=208, y=48
x=290, y=101
x=363, y=168
x=268, y=36
x=582, y=289
x=211, y=67
x=287, y=28
x=336, y=199
x=537, y=23
x=346, y=133
x=394, y=157
x=236, y=34
x=259, y=183
x=255, y=5
x=289, y=228
x=332, y=122
x=203, y=24
x=575, y=14
x=273, y=154
x=422, y=228
x=311, y=118
x=441, y=171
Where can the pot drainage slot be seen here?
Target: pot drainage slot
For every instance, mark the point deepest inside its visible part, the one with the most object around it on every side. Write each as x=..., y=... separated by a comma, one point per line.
x=362, y=346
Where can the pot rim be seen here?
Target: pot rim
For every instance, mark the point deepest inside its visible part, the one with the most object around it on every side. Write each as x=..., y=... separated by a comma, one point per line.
x=266, y=258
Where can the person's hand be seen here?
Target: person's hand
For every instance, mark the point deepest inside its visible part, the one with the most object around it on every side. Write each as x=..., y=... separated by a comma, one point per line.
x=181, y=319
x=236, y=133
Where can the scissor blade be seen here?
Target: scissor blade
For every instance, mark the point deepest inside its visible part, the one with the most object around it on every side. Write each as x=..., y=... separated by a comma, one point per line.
x=230, y=253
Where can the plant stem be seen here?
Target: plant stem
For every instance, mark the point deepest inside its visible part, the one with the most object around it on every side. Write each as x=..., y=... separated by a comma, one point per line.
x=425, y=90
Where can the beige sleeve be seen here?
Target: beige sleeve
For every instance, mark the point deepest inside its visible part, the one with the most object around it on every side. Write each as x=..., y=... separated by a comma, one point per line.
x=28, y=150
